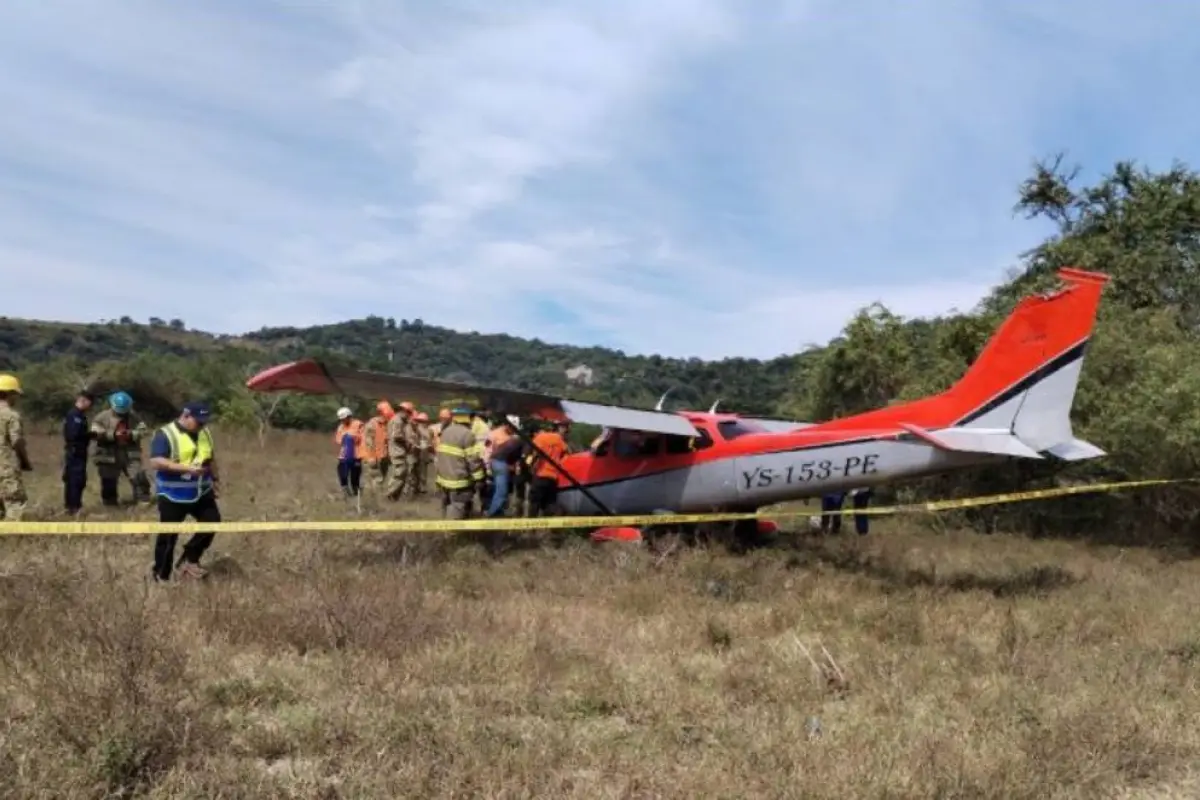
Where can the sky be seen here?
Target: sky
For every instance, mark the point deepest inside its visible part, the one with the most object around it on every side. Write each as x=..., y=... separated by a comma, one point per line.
x=704, y=178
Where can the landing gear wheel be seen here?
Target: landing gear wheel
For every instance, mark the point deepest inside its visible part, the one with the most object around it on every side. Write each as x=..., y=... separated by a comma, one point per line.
x=749, y=535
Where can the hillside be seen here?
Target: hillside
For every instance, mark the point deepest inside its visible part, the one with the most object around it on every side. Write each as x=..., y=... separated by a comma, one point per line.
x=753, y=387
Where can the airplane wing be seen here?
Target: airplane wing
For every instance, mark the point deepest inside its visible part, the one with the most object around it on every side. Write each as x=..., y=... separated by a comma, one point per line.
x=315, y=377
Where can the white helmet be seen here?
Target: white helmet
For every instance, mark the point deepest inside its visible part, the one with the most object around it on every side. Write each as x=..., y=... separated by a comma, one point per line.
x=343, y=413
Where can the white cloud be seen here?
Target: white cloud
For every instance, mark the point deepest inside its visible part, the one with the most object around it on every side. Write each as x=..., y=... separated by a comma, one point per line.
x=689, y=177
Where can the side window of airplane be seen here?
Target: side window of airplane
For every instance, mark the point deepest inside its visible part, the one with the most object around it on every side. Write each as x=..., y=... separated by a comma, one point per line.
x=636, y=444
x=681, y=445
x=678, y=445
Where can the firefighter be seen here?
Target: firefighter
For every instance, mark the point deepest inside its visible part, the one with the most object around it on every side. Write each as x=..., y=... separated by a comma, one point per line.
x=118, y=433
x=480, y=427
x=459, y=465
x=543, y=490
x=376, y=443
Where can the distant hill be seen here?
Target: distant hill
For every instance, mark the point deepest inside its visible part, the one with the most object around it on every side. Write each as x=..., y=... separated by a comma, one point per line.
x=413, y=347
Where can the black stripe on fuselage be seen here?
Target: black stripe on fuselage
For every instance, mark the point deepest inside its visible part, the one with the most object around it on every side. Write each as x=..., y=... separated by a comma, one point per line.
x=1059, y=362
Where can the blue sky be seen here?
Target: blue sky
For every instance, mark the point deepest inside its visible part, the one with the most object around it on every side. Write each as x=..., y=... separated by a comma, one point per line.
x=688, y=177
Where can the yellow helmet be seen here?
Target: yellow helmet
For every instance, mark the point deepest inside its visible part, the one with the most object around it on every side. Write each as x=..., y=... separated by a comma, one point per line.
x=9, y=383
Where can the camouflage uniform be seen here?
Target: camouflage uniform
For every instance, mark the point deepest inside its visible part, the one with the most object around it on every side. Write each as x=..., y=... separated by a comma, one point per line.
x=375, y=437
x=459, y=465
x=419, y=479
x=402, y=450
x=114, y=458
x=12, y=463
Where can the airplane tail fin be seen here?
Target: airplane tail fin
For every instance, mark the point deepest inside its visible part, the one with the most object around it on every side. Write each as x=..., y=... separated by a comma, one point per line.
x=1023, y=383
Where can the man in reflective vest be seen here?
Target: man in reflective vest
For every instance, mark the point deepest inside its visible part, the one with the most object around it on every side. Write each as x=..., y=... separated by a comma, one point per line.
x=187, y=483
x=459, y=465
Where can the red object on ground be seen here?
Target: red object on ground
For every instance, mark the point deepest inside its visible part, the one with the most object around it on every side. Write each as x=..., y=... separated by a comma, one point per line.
x=616, y=535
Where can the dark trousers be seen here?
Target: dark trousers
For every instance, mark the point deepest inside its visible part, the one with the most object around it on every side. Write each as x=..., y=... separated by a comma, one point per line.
x=350, y=476
x=203, y=510
x=832, y=522
x=543, y=492
x=519, y=492
x=862, y=522
x=108, y=491
x=74, y=479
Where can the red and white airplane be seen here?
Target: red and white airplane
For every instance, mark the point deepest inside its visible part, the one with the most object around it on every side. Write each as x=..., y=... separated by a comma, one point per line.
x=1013, y=402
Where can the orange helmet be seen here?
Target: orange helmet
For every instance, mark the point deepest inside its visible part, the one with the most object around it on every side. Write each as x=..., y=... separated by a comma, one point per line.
x=421, y=416
x=385, y=409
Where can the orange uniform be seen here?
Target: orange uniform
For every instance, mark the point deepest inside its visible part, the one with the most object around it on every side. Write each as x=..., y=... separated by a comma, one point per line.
x=553, y=445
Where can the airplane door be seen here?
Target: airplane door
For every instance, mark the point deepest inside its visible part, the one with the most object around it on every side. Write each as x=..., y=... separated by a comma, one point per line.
x=626, y=474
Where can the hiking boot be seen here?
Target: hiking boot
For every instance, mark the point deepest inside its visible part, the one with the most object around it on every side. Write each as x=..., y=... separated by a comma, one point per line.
x=191, y=572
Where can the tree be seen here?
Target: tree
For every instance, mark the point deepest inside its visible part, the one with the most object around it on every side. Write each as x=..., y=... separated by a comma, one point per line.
x=249, y=411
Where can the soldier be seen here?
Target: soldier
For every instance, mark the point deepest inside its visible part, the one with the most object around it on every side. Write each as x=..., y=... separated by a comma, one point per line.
x=402, y=450
x=375, y=438
x=14, y=458
x=419, y=480
x=459, y=465
x=118, y=434
x=77, y=438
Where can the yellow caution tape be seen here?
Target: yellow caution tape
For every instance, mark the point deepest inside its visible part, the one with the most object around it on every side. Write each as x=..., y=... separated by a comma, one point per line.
x=21, y=528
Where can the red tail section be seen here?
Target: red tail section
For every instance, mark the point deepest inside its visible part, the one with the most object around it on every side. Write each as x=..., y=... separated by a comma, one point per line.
x=1043, y=336
x=1043, y=333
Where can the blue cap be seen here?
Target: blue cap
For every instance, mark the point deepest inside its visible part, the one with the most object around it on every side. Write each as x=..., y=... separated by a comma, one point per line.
x=198, y=410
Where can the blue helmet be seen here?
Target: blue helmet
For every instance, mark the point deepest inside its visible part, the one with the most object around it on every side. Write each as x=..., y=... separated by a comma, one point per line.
x=120, y=402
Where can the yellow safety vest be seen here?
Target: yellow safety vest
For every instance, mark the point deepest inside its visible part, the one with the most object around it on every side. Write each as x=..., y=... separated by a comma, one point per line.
x=185, y=488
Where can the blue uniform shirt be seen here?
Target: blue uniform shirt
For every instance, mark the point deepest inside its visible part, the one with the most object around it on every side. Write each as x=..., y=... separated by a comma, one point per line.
x=160, y=447
x=76, y=436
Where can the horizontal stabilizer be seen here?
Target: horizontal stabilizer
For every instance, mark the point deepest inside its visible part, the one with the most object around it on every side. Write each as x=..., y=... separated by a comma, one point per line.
x=997, y=441
x=1075, y=450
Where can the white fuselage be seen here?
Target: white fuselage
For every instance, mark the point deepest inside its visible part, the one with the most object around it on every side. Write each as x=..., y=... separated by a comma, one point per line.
x=763, y=479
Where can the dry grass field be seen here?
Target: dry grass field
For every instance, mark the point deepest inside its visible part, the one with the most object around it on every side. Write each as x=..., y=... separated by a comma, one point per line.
x=351, y=666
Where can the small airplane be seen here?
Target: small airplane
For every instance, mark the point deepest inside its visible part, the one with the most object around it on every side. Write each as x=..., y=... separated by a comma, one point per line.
x=1014, y=401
